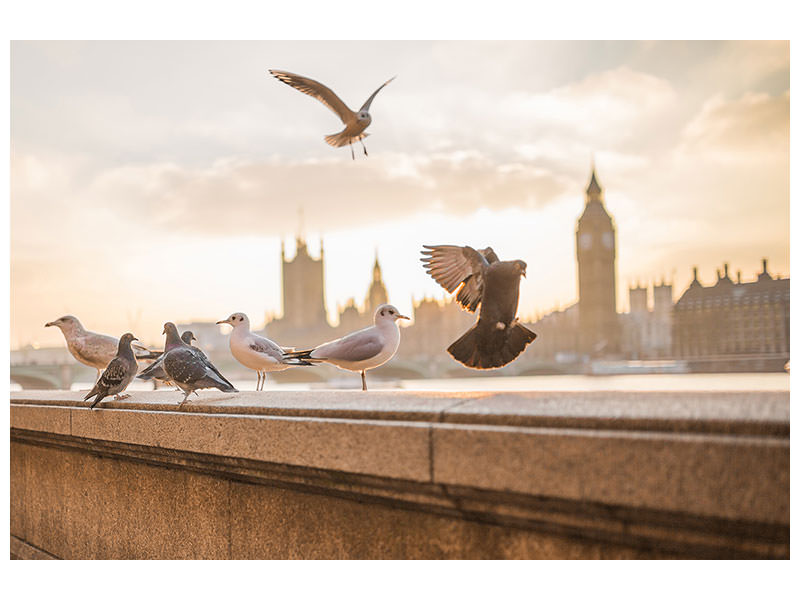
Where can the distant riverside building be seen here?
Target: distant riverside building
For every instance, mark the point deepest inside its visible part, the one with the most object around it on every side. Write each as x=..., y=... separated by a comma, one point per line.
x=436, y=325
x=647, y=333
x=595, y=241
x=731, y=319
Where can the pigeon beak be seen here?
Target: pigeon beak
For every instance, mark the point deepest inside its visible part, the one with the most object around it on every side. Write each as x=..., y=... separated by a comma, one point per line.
x=164, y=331
x=523, y=274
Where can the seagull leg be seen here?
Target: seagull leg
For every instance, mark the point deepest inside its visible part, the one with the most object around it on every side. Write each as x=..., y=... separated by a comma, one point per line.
x=363, y=381
x=364, y=147
x=353, y=154
x=258, y=383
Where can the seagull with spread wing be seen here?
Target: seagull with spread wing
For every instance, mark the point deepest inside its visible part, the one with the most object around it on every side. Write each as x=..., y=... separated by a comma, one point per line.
x=354, y=122
x=482, y=280
x=257, y=352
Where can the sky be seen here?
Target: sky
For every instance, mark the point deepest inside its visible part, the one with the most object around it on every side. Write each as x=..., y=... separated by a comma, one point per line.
x=154, y=181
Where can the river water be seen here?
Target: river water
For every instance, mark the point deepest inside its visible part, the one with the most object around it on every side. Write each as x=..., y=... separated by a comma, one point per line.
x=574, y=383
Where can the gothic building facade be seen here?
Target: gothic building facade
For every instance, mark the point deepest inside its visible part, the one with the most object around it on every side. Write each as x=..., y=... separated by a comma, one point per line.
x=730, y=319
x=596, y=249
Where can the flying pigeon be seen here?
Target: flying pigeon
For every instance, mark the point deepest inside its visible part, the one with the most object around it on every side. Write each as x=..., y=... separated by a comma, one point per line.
x=118, y=374
x=361, y=350
x=188, y=367
x=257, y=352
x=354, y=122
x=482, y=279
x=93, y=349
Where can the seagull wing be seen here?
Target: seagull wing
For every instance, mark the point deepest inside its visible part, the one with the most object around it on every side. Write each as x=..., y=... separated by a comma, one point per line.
x=369, y=100
x=96, y=348
x=354, y=347
x=317, y=90
x=264, y=346
x=458, y=267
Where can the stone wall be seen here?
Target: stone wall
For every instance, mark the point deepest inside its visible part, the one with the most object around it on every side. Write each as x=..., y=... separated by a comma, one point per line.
x=350, y=474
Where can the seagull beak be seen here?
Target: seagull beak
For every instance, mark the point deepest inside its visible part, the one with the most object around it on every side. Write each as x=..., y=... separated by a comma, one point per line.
x=50, y=324
x=223, y=322
x=404, y=317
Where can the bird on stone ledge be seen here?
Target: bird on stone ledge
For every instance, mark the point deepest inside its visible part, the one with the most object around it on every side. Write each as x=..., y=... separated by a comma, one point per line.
x=118, y=374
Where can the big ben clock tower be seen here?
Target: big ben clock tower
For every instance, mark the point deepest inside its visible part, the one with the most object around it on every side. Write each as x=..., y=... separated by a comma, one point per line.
x=595, y=237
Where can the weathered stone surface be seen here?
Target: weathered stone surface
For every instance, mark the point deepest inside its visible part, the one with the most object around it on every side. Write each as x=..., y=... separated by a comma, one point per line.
x=402, y=475
x=77, y=505
x=731, y=477
x=52, y=419
x=370, y=447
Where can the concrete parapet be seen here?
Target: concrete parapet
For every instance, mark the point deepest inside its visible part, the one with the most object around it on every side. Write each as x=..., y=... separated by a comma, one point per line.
x=400, y=474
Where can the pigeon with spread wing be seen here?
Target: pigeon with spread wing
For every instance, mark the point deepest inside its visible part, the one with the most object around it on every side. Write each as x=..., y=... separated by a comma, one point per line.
x=482, y=280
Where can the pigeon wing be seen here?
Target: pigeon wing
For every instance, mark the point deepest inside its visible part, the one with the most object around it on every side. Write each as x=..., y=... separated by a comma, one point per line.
x=115, y=373
x=489, y=255
x=317, y=90
x=372, y=97
x=457, y=267
x=184, y=366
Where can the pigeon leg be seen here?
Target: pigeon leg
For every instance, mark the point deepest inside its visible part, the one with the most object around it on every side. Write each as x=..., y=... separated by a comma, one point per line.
x=351, y=151
x=363, y=381
x=365, y=148
x=185, y=397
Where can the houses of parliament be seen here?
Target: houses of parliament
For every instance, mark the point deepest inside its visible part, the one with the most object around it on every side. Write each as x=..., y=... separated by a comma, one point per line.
x=725, y=325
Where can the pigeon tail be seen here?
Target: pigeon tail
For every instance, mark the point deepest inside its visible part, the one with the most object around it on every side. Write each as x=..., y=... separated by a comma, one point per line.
x=99, y=391
x=484, y=347
x=220, y=382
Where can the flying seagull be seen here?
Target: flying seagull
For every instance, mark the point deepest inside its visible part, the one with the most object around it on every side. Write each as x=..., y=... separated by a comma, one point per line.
x=257, y=352
x=354, y=122
x=482, y=279
x=93, y=349
x=361, y=350
x=188, y=367
x=118, y=374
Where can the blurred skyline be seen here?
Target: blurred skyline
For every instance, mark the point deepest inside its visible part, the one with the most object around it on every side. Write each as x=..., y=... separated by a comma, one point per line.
x=154, y=181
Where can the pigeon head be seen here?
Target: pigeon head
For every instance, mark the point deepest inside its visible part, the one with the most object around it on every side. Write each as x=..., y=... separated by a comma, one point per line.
x=387, y=312
x=127, y=338
x=169, y=327
x=188, y=337
x=236, y=320
x=520, y=267
x=66, y=323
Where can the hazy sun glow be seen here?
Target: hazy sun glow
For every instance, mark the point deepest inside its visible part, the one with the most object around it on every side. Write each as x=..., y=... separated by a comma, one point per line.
x=154, y=181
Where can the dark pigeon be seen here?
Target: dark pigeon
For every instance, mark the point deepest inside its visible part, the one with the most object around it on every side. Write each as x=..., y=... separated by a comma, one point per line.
x=156, y=370
x=482, y=280
x=188, y=367
x=118, y=374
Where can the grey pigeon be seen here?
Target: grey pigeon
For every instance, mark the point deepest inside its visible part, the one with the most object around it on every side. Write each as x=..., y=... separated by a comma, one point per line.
x=188, y=367
x=156, y=370
x=92, y=349
x=482, y=279
x=361, y=350
x=354, y=123
x=118, y=374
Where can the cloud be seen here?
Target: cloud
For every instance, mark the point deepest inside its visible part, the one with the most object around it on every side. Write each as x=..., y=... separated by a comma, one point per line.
x=751, y=128
x=240, y=196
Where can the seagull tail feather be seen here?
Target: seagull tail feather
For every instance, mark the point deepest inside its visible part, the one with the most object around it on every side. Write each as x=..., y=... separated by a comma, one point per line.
x=482, y=347
x=337, y=140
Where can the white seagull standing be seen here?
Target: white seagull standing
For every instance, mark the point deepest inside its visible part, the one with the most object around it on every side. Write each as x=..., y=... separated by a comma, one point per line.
x=361, y=350
x=256, y=352
x=354, y=122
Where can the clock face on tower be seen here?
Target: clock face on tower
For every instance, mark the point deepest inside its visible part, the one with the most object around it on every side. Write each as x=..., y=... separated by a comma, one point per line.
x=608, y=239
x=585, y=240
